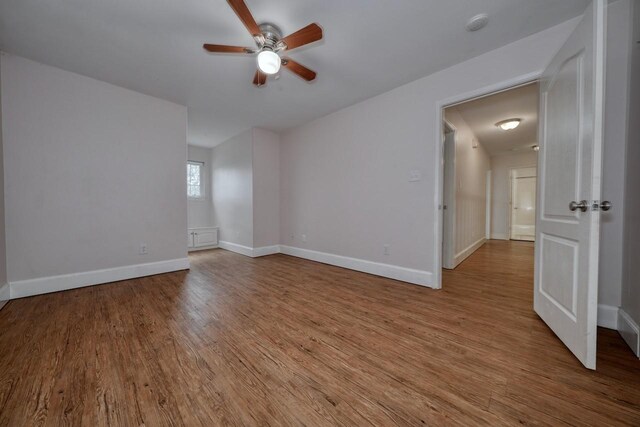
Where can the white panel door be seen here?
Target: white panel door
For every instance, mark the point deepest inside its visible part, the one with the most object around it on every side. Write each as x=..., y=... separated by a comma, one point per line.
x=523, y=204
x=571, y=102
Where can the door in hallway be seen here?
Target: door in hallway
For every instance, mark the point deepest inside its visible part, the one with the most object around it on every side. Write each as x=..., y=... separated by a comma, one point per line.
x=523, y=204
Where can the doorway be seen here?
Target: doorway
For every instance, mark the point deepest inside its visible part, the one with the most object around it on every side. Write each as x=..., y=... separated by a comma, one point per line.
x=565, y=285
x=523, y=204
x=489, y=172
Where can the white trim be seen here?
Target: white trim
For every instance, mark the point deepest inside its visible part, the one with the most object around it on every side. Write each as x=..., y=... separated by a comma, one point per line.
x=250, y=252
x=44, y=285
x=234, y=247
x=608, y=316
x=499, y=236
x=629, y=330
x=465, y=253
x=417, y=277
x=450, y=234
x=438, y=158
x=5, y=294
x=202, y=248
x=487, y=219
x=266, y=250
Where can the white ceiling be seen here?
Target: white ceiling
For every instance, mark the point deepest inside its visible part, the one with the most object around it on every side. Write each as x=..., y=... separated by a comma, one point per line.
x=482, y=114
x=370, y=46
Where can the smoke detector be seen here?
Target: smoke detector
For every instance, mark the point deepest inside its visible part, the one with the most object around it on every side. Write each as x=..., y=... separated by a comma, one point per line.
x=477, y=22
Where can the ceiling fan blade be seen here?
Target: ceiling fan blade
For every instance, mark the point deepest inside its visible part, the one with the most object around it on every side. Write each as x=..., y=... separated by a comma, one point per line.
x=245, y=16
x=309, y=34
x=299, y=69
x=220, y=48
x=260, y=79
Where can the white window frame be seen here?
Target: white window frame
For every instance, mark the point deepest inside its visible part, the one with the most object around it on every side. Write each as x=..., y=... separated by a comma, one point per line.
x=202, y=183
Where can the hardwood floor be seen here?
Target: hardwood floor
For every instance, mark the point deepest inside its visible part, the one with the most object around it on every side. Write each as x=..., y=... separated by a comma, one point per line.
x=281, y=341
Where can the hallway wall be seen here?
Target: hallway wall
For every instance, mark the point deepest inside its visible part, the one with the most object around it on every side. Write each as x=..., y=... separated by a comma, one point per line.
x=471, y=166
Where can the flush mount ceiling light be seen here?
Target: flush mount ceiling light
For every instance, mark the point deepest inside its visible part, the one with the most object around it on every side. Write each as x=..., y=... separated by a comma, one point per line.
x=269, y=62
x=477, y=22
x=509, y=124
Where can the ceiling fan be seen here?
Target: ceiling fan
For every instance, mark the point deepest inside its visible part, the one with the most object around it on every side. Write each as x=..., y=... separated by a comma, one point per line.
x=270, y=44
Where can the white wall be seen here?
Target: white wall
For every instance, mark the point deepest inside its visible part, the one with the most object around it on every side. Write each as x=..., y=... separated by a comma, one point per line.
x=91, y=171
x=4, y=284
x=232, y=189
x=471, y=166
x=200, y=211
x=266, y=188
x=345, y=176
x=631, y=266
x=614, y=147
x=501, y=165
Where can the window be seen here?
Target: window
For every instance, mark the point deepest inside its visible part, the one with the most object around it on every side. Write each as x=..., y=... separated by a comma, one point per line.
x=195, y=187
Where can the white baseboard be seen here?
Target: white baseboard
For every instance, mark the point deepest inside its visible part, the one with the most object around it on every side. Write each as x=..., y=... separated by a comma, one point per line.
x=44, y=285
x=266, y=250
x=417, y=277
x=202, y=248
x=499, y=236
x=234, y=247
x=5, y=294
x=464, y=254
x=629, y=330
x=608, y=316
x=250, y=252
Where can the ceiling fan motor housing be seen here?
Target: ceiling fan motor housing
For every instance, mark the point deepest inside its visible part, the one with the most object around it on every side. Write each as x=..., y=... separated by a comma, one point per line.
x=272, y=35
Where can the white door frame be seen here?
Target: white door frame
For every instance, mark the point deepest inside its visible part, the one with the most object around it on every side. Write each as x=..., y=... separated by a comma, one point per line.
x=438, y=159
x=510, y=208
x=451, y=208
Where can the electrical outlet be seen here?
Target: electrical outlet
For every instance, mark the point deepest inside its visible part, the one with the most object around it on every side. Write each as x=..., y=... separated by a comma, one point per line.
x=385, y=249
x=304, y=237
x=143, y=249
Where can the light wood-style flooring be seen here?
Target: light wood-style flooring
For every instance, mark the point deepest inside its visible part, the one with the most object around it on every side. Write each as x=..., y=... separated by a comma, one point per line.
x=284, y=341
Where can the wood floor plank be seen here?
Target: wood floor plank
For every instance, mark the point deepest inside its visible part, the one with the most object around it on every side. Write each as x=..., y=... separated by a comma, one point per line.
x=284, y=341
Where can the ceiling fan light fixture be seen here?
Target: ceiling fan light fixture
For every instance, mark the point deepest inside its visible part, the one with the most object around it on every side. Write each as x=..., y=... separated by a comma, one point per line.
x=269, y=62
x=509, y=124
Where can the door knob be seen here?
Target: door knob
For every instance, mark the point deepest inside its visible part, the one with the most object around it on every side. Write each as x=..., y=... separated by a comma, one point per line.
x=583, y=206
x=605, y=205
